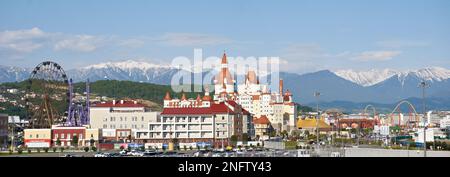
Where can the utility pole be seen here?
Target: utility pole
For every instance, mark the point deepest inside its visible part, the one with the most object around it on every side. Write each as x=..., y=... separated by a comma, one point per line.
x=424, y=85
x=317, y=95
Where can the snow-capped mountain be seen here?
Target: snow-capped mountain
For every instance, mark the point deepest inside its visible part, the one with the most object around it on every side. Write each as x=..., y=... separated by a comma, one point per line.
x=379, y=86
x=13, y=74
x=125, y=70
x=127, y=64
x=366, y=78
x=374, y=76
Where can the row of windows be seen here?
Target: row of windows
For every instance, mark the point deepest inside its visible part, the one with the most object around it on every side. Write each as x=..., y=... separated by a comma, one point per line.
x=113, y=119
x=63, y=136
x=113, y=126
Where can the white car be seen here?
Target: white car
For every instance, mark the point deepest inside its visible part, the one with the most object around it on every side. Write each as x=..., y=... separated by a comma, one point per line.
x=303, y=153
x=99, y=155
x=335, y=154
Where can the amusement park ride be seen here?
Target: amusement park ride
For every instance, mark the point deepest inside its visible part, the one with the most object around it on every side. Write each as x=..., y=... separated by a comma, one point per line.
x=53, y=89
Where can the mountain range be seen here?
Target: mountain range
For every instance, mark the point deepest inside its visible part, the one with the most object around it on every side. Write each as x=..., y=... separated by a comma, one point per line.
x=374, y=86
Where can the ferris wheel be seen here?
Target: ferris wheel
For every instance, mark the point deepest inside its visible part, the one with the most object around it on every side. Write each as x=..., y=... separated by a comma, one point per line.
x=49, y=84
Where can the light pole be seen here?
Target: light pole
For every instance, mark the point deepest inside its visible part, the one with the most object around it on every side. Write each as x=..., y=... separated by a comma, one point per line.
x=424, y=85
x=317, y=95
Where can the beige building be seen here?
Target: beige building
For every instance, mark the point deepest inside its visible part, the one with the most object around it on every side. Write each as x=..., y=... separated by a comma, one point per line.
x=37, y=138
x=119, y=119
x=262, y=127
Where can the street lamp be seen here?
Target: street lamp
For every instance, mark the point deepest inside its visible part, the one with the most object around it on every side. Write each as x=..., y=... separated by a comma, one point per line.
x=317, y=95
x=424, y=85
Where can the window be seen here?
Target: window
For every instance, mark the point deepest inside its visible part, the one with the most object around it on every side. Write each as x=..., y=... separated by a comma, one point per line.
x=105, y=126
x=31, y=136
x=142, y=118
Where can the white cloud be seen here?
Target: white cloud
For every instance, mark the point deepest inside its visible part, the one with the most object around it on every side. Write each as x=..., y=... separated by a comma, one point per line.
x=192, y=39
x=376, y=55
x=80, y=43
x=22, y=41
x=133, y=43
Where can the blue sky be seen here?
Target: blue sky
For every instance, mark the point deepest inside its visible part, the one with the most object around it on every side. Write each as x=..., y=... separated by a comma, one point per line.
x=306, y=35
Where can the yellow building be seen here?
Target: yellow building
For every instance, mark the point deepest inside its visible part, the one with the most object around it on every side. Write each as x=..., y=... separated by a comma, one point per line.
x=310, y=124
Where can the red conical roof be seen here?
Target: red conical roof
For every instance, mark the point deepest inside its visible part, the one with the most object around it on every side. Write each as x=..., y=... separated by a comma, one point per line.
x=224, y=58
x=167, y=97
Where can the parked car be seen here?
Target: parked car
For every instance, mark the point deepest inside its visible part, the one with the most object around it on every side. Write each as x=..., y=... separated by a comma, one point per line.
x=303, y=153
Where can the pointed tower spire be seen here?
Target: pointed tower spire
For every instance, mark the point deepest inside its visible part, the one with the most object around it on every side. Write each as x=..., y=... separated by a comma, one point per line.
x=183, y=96
x=224, y=58
x=167, y=97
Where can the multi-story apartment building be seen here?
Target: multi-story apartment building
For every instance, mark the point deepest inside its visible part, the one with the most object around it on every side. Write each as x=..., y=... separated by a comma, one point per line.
x=120, y=119
x=197, y=120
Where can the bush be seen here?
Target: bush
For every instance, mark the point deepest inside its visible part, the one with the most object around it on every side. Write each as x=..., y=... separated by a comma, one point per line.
x=290, y=144
x=20, y=150
x=93, y=148
x=29, y=151
x=38, y=150
x=61, y=149
x=86, y=149
x=46, y=150
x=54, y=149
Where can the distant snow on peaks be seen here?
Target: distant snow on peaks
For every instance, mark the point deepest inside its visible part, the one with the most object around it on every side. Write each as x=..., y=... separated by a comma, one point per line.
x=432, y=73
x=128, y=64
x=366, y=78
x=375, y=76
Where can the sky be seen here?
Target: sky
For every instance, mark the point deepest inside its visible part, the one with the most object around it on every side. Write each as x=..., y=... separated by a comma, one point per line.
x=307, y=35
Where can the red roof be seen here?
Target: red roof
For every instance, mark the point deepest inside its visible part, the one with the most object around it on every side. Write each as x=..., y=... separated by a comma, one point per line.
x=224, y=58
x=118, y=104
x=214, y=109
x=167, y=97
x=262, y=120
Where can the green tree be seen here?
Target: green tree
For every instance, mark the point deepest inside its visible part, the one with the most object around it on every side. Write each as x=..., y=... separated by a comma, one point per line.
x=75, y=141
x=272, y=133
x=245, y=138
x=284, y=134
x=58, y=142
x=86, y=149
x=92, y=142
x=234, y=139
